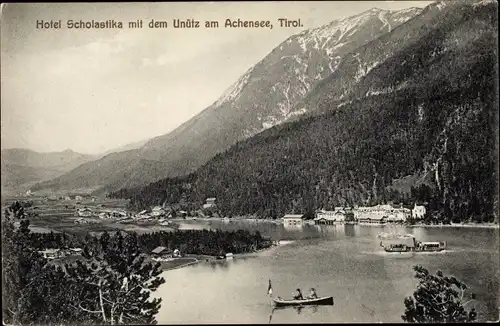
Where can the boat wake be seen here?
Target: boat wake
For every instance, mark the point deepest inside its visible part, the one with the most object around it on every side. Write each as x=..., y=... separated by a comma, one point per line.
x=285, y=242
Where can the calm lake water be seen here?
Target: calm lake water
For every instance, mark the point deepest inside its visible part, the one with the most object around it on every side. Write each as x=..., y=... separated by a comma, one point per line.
x=344, y=261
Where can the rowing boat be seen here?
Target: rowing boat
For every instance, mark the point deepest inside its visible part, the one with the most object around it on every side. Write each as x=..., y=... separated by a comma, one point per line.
x=324, y=301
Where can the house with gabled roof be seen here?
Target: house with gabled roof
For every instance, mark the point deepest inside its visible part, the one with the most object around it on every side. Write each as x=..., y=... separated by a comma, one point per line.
x=161, y=251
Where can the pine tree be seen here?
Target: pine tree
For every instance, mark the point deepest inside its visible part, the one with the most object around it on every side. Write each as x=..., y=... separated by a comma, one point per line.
x=118, y=283
x=20, y=263
x=437, y=299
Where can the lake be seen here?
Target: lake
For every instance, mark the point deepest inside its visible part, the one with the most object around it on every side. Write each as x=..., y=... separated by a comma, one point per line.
x=344, y=261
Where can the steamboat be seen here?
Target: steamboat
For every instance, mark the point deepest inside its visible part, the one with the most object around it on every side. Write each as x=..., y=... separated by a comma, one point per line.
x=408, y=243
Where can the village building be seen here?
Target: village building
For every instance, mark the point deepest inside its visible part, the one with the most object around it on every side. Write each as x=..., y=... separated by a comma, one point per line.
x=292, y=219
x=418, y=211
x=84, y=212
x=72, y=252
x=182, y=213
x=161, y=251
x=78, y=198
x=51, y=253
x=109, y=213
x=118, y=214
x=75, y=251
x=142, y=214
x=209, y=203
x=158, y=211
x=104, y=215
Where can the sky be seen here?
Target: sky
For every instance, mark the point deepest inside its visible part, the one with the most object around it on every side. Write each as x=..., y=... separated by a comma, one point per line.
x=92, y=90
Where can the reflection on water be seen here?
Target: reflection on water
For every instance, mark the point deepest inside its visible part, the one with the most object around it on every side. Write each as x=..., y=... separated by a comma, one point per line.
x=345, y=261
x=273, y=230
x=349, y=230
x=221, y=264
x=298, y=310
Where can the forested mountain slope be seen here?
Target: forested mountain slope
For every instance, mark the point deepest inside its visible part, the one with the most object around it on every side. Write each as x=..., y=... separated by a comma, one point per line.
x=438, y=128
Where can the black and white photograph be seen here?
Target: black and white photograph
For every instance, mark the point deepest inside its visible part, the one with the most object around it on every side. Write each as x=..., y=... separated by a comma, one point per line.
x=250, y=162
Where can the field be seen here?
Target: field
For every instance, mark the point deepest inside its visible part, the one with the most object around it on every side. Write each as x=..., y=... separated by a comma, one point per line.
x=60, y=216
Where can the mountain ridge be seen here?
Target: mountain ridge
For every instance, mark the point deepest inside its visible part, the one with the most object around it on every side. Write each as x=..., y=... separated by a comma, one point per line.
x=263, y=97
x=438, y=129
x=22, y=168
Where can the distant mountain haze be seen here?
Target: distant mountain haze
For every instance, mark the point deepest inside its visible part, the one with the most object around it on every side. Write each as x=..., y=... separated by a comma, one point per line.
x=264, y=96
x=23, y=167
x=66, y=159
x=127, y=147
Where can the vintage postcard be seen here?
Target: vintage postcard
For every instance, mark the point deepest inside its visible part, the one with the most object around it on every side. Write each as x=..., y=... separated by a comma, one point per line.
x=249, y=162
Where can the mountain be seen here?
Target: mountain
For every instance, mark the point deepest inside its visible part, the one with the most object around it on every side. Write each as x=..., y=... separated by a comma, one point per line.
x=263, y=97
x=266, y=94
x=418, y=126
x=21, y=168
x=19, y=177
x=124, y=148
x=350, y=76
x=109, y=172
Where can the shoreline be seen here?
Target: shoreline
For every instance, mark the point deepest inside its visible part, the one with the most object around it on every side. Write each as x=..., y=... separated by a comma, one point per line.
x=234, y=219
x=165, y=269
x=205, y=258
x=282, y=243
x=466, y=225
x=279, y=221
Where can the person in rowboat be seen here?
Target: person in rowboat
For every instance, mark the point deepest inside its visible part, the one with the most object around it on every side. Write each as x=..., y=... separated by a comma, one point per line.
x=312, y=294
x=298, y=295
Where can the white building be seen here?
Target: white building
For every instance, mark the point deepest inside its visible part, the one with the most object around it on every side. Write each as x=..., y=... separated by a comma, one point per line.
x=157, y=211
x=104, y=215
x=381, y=214
x=84, y=212
x=210, y=202
x=329, y=217
x=51, y=253
x=418, y=211
x=292, y=219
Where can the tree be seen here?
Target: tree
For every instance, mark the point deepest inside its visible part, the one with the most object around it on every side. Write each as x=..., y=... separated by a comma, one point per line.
x=50, y=300
x=437, y=299
x=112, y=285
x=115, y=287
x=21, y=264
